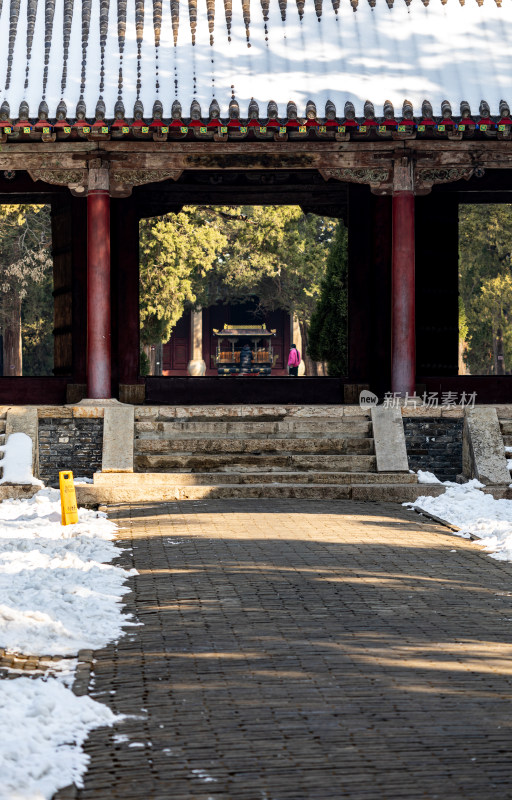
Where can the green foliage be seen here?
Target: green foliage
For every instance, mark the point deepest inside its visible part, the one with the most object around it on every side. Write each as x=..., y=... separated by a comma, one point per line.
x=37, y=328
x=275, y=253
x=26, y=287
x=463, y=322
x=328, y=329
x=145, y=367
x=485, y=286
x=175, y=250
x=204, y=255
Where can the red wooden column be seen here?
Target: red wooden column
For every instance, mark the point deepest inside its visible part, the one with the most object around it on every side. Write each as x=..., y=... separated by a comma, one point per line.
x=403, y=337
x=98, y=286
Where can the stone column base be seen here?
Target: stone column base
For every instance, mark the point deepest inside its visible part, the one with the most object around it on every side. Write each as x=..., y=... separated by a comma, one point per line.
x=133, y=394
x=196, y=368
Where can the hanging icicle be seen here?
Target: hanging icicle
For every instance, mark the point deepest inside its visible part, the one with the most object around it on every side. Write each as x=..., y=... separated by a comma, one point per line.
x=66, y=36
x=121, y=36
x=31, y=22
x=86, y=26
x=14, y=15
x=49, y=14
x=210, y=13
x=104, y=11
x=228, y=11
x=139, y=30
x=192, y=13
x=246, y=12
x=157, y=28
x=175, y=19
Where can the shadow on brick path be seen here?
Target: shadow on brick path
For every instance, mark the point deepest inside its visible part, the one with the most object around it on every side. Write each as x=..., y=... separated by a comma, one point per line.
x=294, y=650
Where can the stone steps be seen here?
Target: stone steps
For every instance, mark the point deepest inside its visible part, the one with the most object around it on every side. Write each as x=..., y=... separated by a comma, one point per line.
x=166, y=479
x=392, y=493
x=251, y=445
x=290, y=429
x=260, y=413
x=252, y=462
x=194, y=453
x=506, y=427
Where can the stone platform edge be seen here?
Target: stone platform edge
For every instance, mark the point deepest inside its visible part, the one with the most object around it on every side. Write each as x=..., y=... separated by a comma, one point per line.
x=504, y=410
x=90, y=495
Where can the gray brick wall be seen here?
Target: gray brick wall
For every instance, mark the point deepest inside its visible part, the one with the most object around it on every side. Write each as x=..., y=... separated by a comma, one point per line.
x=435, y=445
x=69, y=443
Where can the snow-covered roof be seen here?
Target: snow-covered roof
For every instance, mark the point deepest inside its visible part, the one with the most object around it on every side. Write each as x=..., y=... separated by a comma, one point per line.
x=319, y=50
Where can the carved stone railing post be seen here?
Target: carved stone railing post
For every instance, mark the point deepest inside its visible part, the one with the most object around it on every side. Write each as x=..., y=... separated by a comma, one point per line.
x=98, y=283
x=403, y=334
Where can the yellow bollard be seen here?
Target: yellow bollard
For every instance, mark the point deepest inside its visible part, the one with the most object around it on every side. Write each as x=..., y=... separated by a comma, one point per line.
x=68, y=498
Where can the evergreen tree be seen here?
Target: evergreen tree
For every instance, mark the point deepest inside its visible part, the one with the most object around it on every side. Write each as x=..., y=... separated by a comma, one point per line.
x=230, y=254
x=328, y=328
x=37, y=327
x=485, y=286
x=174, y=250
x=26, y=303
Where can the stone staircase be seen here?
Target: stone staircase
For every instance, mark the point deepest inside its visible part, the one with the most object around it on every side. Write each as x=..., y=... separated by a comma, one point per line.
x=315, y=452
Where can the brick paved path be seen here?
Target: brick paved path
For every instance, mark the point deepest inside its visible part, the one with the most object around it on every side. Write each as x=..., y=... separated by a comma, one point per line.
x=295, y=650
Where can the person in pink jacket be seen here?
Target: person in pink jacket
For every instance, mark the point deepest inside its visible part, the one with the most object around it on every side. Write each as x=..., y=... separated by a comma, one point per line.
x=293, y=362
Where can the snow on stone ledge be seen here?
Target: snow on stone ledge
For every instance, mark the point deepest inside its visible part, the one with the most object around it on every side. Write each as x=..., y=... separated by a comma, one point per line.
x=427, y=477
x=17, y=461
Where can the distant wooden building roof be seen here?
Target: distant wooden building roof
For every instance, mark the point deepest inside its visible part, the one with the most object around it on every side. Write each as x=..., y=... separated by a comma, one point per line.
x=254, y=331
x=100, y=59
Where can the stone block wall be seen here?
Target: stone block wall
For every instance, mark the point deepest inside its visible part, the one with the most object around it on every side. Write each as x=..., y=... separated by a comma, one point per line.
x=434, y=444
x=72, y=443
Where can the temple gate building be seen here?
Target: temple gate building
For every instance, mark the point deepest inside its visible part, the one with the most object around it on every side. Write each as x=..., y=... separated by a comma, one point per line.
x=386, y=114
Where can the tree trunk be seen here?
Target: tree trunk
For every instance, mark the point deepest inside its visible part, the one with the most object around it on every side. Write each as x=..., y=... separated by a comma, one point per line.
x=463, y=367
x=311, y=367
x=159, y=355
x=500, y=352
x=152, y=359
x=12, y=354
x=147, y=351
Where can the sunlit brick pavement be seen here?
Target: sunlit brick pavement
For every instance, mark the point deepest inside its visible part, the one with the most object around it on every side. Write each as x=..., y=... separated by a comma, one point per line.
x=295, y=649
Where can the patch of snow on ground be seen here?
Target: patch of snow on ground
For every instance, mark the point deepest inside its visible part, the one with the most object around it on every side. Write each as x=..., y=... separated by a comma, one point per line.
x=45, y=725
x=473, y=512
x=58, y=593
